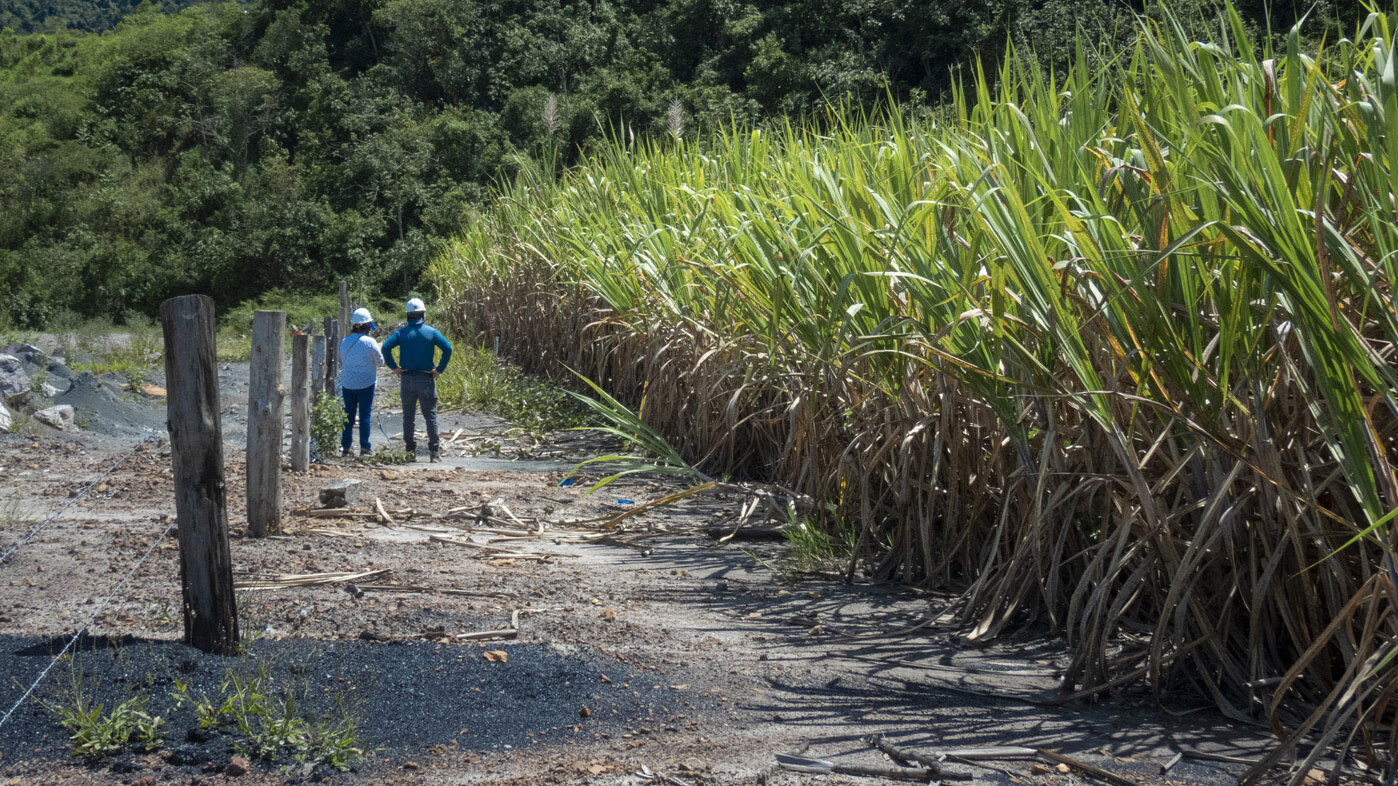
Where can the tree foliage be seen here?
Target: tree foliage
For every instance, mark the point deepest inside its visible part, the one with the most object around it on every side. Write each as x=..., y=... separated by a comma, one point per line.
x=236, y=148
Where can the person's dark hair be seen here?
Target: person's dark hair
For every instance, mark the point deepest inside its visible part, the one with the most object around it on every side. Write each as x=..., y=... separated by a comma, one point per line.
x=412, y=315
x=363, y=327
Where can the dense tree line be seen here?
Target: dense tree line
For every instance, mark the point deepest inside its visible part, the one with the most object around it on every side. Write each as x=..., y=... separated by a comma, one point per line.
x=38, y=16
x=233, y=149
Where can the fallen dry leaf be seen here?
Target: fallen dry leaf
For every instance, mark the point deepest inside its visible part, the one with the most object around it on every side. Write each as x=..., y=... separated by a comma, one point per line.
x=497, y=656
x=609, y=614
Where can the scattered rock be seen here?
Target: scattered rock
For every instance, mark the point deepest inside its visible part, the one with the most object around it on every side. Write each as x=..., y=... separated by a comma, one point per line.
x=14, y=383
x=146, y=780
x=59, y=369
x=341, y=495
x=48, y=390
x=237, y=768
x=60, y=417
x=584, y=713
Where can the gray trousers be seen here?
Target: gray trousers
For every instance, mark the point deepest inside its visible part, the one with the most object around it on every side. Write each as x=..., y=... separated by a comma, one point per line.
x=419, y=388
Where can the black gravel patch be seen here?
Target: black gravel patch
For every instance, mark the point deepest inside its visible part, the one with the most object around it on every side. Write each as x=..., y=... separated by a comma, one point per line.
x=102, y=407
x=404, y=697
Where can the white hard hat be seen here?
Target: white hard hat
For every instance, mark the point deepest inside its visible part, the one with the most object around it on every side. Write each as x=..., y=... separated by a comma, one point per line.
x=415, y=304
x=360, y=316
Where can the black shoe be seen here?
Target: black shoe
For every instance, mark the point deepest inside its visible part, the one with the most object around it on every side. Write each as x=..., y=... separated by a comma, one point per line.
x=344, y=453
x=365, y=451
x=412, y=456
x=434, y=456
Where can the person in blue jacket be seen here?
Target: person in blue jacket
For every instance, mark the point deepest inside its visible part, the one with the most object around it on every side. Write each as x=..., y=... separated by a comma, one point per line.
x=360, y=360
x=416, y=344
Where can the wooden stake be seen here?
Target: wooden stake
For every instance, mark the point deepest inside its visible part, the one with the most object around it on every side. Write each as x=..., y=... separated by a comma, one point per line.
x=196, y=452
x=332, y=354
x=345, y=307
x=265, y=394
x=317, y=380
x=300, y=403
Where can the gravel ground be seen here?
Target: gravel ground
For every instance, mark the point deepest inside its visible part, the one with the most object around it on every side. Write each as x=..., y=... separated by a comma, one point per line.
x=714, y=658
x=406, y=698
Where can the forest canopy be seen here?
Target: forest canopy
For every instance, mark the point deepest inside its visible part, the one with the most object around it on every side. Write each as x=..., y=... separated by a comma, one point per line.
x=279, y=144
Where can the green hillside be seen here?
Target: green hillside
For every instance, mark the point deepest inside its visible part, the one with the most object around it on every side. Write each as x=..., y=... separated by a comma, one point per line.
x=233, y=149
x=94, y=16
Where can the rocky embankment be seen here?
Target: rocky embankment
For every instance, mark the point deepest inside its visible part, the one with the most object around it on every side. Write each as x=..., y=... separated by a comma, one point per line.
x=39, y=390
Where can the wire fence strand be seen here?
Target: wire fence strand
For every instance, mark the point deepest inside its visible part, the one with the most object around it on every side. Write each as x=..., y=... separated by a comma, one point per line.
x=83, y=628
x=71, y=502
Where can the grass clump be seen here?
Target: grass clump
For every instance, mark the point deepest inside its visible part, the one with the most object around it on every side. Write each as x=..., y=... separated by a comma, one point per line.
x=95, y=733
x=389, y=456
x=476, y=379
x=814, y=549
x=132, y=356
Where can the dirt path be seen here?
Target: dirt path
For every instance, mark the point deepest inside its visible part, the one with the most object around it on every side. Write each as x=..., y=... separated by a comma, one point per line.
x=670, y=656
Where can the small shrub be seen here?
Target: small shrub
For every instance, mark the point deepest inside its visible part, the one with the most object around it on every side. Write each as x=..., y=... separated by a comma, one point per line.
x=327, y=424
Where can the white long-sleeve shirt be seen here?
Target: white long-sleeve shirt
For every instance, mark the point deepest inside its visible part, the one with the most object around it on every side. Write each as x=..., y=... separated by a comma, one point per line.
x=360, y=359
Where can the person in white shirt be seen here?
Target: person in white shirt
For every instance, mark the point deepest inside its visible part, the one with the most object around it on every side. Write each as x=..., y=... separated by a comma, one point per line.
x=360, y=358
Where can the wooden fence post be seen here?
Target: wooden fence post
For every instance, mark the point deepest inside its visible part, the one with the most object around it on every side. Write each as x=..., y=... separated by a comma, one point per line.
x=300, y=402
x=345, y=307
x=196, y=451
x=265, y=394
x=332, y=354
x=317, y=380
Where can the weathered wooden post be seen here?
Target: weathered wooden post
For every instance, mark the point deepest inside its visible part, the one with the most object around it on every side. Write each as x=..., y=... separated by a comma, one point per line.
x=300, y=402
x=196, y=451
x=317, y=380
x=345, y=307
x=332, y=354
x=265, y=424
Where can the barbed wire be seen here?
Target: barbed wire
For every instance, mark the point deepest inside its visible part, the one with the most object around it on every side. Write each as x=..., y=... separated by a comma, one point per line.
x=83, y=628
x=73, y=501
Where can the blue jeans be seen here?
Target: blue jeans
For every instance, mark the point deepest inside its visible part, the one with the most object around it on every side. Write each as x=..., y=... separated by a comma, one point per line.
x=361, y=400
x=419, y=388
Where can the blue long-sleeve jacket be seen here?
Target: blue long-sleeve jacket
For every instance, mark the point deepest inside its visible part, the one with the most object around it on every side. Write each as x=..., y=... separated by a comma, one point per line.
x=415, y=342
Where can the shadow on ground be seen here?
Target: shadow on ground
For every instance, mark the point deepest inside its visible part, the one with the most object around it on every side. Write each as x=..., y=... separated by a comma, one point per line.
x=404, y=698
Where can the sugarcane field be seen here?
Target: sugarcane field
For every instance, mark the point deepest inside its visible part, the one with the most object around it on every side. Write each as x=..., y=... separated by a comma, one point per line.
x=1033, y=422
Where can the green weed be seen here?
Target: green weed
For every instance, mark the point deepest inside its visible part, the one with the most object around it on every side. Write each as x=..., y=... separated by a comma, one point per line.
x=389, y=456
x=327, y=423
x=94, y=732
x=268, y=722
x=814, y=549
